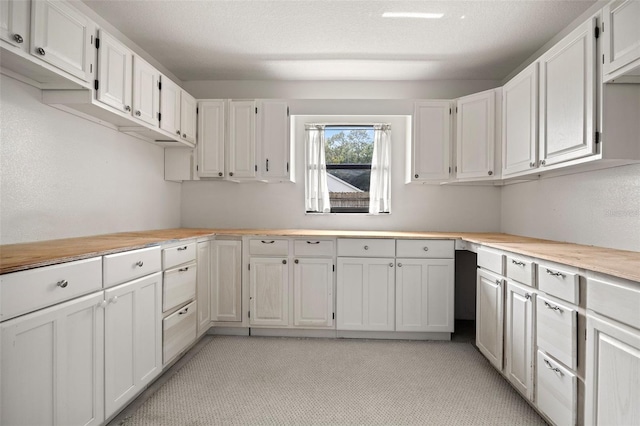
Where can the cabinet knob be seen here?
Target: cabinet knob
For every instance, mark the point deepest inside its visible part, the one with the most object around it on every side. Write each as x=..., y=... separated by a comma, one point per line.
x=532, y=164
x=219, y=173
x=178, y=132
x=184, y=135
x=543, y=162
x=40, y=51
x=527, y=296
x=366, y=247
x=499, y=282
x=425, y=248
x=139, y=263
x=18, y=38
x=62, y=283
x=490, y=173
x=230, y=173
x=399, y=265
x=391, y=265
x=284, y=262
x=138, y=113
x=102, y=304
x=114, y=300
x=296, y=261
x=127, y=108
x=416, y=176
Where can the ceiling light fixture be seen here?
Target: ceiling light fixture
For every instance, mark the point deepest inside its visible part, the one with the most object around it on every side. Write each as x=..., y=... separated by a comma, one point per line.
x=418, y=15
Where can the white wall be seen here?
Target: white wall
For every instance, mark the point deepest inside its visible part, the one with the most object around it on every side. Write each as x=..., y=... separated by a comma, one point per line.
x=599, y=208
x=63, y=176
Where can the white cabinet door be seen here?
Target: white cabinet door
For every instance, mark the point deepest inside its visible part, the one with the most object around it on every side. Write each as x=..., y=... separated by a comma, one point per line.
x=475, y=135
x=241, y=149
x=313, y=292
x=170, y=106
x=425, y=295
x=489, y=316
x=272, y=136
x=203, y=286
x=146, y=96
x=52, y=365
x=62, y=36
x=226, y=282
x=621, y=37
x=211, y=121
x=188, y=117
x=269, y=291
x=431, y=141
x=567, y=97
x=613, y=373
x=366, y=294
x=520, y=122
x=115, y=69
x=518, y=341
x=133, y=339
x=14, y=22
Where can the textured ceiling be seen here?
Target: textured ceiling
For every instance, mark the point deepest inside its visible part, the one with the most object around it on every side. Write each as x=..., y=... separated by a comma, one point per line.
x=339, y=40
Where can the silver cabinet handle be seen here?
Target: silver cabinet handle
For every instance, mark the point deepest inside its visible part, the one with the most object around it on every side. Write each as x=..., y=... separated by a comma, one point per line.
x=366, y=247
x=183, y=312
x=555, y=274
x=138, y=113
x=62, y=283
x=532, y=164
x=183, y=269
x=391, y=265
x=18, y=38
x=425, y=248
x=182, y=248
x=527, y=296
x=499, y=282
x=114, y=300
x=554, y=369
x=102, y=304
x=399, y=265
x=267, y=242
x=139, y=263
x=543, y=162
x=313, y=242
x=552, y=307
x=517, y=262
x=40, y=51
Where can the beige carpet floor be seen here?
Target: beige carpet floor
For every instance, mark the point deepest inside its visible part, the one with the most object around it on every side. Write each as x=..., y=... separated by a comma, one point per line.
x=273, y=381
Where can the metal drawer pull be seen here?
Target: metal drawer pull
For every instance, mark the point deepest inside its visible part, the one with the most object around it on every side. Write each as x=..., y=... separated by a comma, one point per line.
x=555, y=274
x=313, y=242
x=555, y=308
x=182, y=248
x=366, y=247
x=554, y=369
x=139, y=263
x=517, y=262
x=62, y=283
x=426, y=249
x=183, y=312
x=183, y=269
x=268, y=242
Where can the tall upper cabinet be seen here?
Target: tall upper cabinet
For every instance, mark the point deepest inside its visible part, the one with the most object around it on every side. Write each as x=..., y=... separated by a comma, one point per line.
x=621, y=41
x=211, y=120
x=14, y=23
x=273, y=139
x=430, y=145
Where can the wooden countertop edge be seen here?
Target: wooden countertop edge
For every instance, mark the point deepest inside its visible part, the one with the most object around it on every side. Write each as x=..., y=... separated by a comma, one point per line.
x=100, y=245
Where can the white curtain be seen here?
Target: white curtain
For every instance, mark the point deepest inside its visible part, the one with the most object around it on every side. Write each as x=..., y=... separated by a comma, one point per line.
x=380, y=186
x=316, y=188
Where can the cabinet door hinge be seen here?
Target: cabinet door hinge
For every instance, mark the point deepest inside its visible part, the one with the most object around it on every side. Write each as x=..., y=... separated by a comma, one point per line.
x=287, y=167
x=456, y=110
x=597, y=138
x=95, y=84
x=159, y=85
x=287, y=111
x=197, y=168
x=249, y=314
x=333, y=316
x=97, y=43
x=249, y=266
x=603, y=59
x=597, y=32
x=256, y=110
x=256, y=167
x=197, y=110
x=449, y=169
x=334, y=268
x=159, y=116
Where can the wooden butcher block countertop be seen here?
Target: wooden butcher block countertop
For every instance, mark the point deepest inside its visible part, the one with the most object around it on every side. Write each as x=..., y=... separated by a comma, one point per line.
x=17, y=257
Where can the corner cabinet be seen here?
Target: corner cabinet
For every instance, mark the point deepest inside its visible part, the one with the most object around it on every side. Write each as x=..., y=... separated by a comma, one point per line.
x=621, y=41
x=226, y=281
x=431, y=142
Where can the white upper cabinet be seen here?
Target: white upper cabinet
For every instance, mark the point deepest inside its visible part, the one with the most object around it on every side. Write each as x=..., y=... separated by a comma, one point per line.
x=241, y=141
x=211, y=123
x=14, y=22
x=520, y=122
x=188, y=117
x=272, y=135
x=146, y=96
x=170, y=106
x=115, y=69
x=567, y=103
x=62, y=36
x=431, y=142
x=475, y=135
x=621, y=40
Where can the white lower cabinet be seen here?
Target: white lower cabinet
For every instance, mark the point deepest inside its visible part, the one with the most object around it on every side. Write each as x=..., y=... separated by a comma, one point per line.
x=133, y=339
x=52, y=365
x=424, y=295
x=489, y=316
x=366, y=294
x=226, y=282
x=269, y=291
x=203, y=286
x=556, y=390
x=179, y=330
x=518, y=340
x=313, y=292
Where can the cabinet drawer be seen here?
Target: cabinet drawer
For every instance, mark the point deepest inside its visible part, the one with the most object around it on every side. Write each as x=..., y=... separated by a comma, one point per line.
x=313, y=247
x=615, y=298
x=269, y=247
x=178, y=331
x=179, y=286
x=556, y=390
x=26, y=291
x=174, y=256
x=521, y=270
x=491, y=260
x=366, y=247
x=427, y=249
x=122, y=267
x=556, y=330
x=560, y=282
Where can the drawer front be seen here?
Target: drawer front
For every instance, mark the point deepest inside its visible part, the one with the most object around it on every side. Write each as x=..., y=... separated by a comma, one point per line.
x=269, y=247
x=122, y=267
x=313, y=247
x=491, y=260
x=615, y=298
x=559, y=282
x=556, y=393
x=521, y=270
x=179, y=286
x=26, y=291
x=174, y=256
x=366, y=247
x=178, y=331
x=556, y=330
x=426, y=249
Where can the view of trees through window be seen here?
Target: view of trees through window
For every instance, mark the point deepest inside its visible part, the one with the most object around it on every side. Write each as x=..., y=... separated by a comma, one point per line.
x=348, y=152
